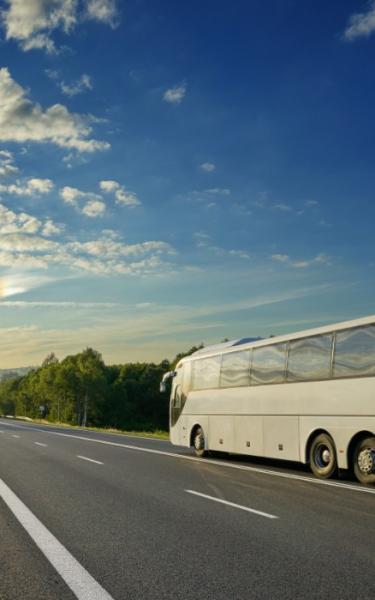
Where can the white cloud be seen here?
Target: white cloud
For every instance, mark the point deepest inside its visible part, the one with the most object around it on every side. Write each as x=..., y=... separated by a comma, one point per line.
x=76, y=87
x=208, y=167
x=319, y=259
x=239, y=253
x=51, y=228
x=175, y=95
x=104, y=11
x=122, y=196
x=23, y=121
x=31, y=23
x=93, y=207
x=7, y=166
x=32, y=187
x=109, y=186
x=361, y=24
x=218, y=191
x=203, y=241
x=282, y=207
x=280, y=257
x=15, y=223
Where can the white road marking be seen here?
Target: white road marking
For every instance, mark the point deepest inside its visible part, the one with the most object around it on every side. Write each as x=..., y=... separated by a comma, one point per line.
x=15, y=436
x=221, y=463
x=252, y=510
x=40, y=444
x=97, y=462
x=81, y=583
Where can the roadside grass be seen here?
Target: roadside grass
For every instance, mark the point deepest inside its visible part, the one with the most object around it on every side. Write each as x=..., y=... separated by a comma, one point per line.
x=157, y=434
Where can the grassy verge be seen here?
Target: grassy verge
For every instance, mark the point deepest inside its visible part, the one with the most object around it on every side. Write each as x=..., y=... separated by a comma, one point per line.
x=158, y=434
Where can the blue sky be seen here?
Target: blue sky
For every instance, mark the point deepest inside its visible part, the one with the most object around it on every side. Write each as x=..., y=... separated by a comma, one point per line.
x=172, y=173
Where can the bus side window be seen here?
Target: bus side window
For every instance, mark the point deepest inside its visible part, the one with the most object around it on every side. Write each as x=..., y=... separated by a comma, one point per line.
x=355, y=352
x=310, y=358
x=235, y=369
x=268, y=364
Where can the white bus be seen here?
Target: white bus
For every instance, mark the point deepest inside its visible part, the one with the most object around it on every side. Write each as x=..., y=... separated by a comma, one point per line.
x=307, y=397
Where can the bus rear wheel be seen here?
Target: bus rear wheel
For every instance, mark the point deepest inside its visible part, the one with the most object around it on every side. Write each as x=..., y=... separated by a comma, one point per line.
x=323, y=461
x=364, y=461
x=199, y=442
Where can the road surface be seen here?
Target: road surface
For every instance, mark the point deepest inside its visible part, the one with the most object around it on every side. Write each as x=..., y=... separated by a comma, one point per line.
x=102, y=516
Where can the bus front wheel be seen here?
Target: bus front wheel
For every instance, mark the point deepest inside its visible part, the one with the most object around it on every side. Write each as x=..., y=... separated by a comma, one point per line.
x=364, y=461
x=199, y=442
x=323, y=461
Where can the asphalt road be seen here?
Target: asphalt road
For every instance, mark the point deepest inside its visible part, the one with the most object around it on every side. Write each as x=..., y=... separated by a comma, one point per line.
x=149, y=521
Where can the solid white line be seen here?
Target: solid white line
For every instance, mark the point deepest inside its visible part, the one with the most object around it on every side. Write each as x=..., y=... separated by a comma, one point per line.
x=90, y=460
x=252, y=510
x=15, y=436
x=222, y=463
x=40, y=444
x=81, y=583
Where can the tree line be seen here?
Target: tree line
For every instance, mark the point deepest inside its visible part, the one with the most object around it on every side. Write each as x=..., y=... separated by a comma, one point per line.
x=82, y=390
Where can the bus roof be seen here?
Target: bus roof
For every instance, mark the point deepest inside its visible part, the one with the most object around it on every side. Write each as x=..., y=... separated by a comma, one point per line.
x=232, y=345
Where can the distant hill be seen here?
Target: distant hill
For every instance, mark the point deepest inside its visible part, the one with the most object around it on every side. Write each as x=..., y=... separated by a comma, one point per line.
x=6, y=373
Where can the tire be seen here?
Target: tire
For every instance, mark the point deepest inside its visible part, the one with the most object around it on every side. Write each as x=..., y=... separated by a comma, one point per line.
x=364, y=461
x=199, y=442
x=323, y=460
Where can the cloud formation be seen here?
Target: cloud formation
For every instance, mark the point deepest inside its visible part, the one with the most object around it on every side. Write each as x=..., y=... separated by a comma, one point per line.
x=319, y=259
x=7, y=166
x=122, y=196
x=176, y=94
x=104, y=11
x=361, y=24
x=78, y=86
x=31, y=23
x=25, y=244
x=32, y=187
x=86, y=203
x=12, y=223
x=207, y=167
x=21, y=120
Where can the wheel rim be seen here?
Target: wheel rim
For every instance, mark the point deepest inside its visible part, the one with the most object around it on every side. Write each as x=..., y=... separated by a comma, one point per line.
x=323, y=456
x=366, y=461
x=199, y=441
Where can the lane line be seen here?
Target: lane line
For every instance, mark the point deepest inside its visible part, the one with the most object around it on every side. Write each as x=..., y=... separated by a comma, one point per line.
x=240, y=506
x=97, y=462
x=40, y=444
x=81, y=583
x=223, y=464
x=15, y=436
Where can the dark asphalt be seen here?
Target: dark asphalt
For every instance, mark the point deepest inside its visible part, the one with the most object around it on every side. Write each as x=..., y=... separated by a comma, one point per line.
x=132, y=525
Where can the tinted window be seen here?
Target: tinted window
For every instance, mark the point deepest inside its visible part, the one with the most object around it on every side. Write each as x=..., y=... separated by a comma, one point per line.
x=206, y=373
x=235, y=369
x=355, y=352
x=310, y=358
x=268, y=364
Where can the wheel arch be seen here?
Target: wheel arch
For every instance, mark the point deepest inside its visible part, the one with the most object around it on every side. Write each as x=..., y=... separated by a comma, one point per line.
x=310, y=440
x=361, y=435
x=192, y=433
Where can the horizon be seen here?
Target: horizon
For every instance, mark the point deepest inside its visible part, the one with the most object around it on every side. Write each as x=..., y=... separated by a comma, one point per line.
x=171, y=175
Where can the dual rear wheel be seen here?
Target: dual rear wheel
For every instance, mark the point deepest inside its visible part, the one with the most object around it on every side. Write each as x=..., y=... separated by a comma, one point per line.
x=323, y=458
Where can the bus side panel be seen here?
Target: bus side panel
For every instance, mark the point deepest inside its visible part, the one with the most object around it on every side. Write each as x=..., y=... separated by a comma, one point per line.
x=221, y=433
x=248, y=435
x=281, y=437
